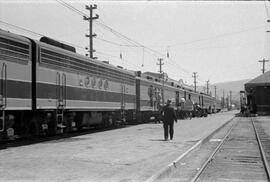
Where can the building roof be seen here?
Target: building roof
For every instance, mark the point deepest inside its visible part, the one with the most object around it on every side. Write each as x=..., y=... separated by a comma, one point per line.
x=262, y=80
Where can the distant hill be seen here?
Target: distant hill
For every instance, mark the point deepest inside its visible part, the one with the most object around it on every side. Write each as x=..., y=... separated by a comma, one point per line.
x=234, y=86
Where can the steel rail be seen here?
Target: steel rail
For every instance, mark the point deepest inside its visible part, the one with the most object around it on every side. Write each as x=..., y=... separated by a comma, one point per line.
x=264, y=158
x=196, y=177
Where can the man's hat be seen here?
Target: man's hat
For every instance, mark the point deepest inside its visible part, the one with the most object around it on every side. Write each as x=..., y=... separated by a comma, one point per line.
x=169, y=101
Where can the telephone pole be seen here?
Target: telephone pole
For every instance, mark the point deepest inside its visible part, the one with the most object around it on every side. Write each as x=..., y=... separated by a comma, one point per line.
x=223, y=99
x=230, y=99
x=215, y=92
x=227, y=102
x=207, y=87
x=90, y=19
x=263, y=64
x=160, y=64
x=195, y=78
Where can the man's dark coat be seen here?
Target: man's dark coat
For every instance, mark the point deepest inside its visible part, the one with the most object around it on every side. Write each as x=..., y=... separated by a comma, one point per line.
x=169, y=115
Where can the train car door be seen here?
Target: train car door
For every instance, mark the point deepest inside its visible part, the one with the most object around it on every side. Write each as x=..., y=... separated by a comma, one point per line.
x=60, y=99
x=3, y=95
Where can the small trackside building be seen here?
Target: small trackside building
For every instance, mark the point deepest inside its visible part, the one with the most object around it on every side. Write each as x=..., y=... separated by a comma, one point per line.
x=258, y=94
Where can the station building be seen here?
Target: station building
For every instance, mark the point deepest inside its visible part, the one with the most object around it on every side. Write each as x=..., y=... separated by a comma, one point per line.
x=258, y=94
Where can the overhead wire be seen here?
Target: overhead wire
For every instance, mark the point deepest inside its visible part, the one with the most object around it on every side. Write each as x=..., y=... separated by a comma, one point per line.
x=41, y=35
x=133, y=43
x=20, y=28
x=106, y=54
x=71, y=7
x=218, y=36
x=108, y=41
x=37, y=34
x=82, y=14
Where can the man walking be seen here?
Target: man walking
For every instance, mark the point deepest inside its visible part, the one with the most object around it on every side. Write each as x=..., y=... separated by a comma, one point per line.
x=169, y=117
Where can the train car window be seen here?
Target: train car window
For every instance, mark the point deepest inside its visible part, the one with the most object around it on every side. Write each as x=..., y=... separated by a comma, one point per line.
x=54, y=59
x=11, y=50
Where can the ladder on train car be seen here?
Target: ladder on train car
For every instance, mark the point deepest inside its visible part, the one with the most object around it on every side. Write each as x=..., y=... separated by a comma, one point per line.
x=3, y=96
x=61, y=101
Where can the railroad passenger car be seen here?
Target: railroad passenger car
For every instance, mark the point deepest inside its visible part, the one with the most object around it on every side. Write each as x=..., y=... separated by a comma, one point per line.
x=218, y=106
x=150, y=88
x=153, y=92
x=208, y=103
x=148, y=97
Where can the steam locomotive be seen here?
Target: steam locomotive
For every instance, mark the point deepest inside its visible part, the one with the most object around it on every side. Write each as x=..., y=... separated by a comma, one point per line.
x=46, y=88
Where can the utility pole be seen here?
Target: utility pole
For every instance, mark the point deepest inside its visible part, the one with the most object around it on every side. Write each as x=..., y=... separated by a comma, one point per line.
x=195, y=82
x=223, y=99
x=161, y=74
x=230, y=99
x=263, y=64
x=227, y=101
x=207, y=87
x=160, y=65
x=215, y=92
x=90, y=19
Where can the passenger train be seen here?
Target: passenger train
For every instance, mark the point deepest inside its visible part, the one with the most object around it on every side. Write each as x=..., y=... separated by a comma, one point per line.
x=46, y=88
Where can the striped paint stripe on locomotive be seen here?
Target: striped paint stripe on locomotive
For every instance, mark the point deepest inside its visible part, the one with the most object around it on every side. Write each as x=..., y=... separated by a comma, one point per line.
x=18, y=95
x=84, y=105
x=74, y=93
x=18, y=89
x=21, y=92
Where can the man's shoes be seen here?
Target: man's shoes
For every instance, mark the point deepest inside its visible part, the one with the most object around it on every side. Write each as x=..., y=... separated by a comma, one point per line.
x=166, y=139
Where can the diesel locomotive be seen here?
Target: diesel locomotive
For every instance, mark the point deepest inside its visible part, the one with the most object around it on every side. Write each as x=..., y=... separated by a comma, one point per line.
x=46, y=88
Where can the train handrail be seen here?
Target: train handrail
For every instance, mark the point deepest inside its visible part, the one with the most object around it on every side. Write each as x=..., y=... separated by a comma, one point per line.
x=64, y=89
x=4, y=95
x=58, y=91
x=4, y=85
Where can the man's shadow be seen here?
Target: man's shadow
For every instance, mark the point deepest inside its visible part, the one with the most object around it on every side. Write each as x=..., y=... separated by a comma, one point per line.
x=156, y=140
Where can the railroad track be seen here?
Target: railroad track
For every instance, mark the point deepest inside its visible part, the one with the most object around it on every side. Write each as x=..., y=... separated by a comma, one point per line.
x=242, y=155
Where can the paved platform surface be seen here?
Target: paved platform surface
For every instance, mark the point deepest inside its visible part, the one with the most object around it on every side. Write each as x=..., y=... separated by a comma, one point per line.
x=123, y=155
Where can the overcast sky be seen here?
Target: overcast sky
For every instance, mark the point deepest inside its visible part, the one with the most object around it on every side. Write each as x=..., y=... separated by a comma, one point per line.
x=221, y=41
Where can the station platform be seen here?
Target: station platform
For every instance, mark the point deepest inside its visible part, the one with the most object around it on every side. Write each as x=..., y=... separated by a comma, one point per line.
x=133, y=153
